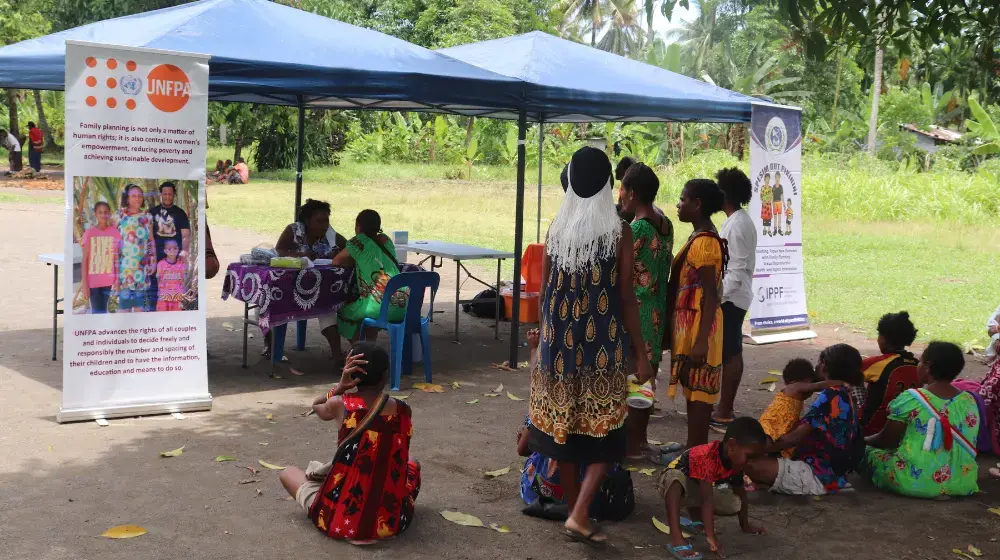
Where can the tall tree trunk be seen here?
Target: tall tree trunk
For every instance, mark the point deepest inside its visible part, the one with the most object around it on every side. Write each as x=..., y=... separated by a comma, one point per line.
x=238, y=150
x=43, y=123
x=593, y=34
x=836, y=89
x=876, y=95
x=680, y=128
x=14, y=126
x=650, y=6
x=468, y=131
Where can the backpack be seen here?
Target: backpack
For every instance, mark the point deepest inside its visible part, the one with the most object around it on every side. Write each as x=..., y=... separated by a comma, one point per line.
x=484, y=309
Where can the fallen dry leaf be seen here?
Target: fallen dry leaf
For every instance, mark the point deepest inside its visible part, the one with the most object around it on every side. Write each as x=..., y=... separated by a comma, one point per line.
x=656, y=416
x=276, y=376
x=503, y=367
x=294, y=371
x=124, y=532
x=429, y=387
x=769, y=379
x=995, y=510
x=962, y=554
x=975, y=551
x=228, y=326
x=491, y=394
x=224, y=458
x=513, y=397
x=402, y=397
x=248, y=481
x=648, y=472
x=774, y=372
x=654, y=442
x=665, y=529
x=496, y=473
x=270, y=417
x=772, y=387
x=455, y=384
x=172, y=452
x=499, y=389
x=267, y=465
x=631, y=469
x=499, y=528
x=473, y=401
x=259, y=492
x=264, y=443
x=464, y=519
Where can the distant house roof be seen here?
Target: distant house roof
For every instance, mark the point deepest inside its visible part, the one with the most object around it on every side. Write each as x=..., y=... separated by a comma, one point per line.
x=938, y=133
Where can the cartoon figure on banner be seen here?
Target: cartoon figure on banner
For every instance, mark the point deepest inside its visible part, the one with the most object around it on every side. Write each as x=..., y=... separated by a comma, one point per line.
x=765, y=204
x=778, y=196
x=788, y=217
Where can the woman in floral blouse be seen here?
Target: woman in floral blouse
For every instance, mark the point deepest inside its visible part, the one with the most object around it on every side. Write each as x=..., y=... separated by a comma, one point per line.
x=927, y=448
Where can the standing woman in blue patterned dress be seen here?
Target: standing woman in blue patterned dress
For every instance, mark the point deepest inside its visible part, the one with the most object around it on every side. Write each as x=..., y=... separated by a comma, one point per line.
x=590, y=327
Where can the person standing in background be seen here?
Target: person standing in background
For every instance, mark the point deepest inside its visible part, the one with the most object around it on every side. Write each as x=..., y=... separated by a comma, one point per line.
x=36, y=145
x=9, y=141
x=737, y=286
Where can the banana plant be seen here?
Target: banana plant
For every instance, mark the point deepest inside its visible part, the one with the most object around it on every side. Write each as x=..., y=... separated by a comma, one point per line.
x=937, y=101
x=472, y=154
x=985, y=128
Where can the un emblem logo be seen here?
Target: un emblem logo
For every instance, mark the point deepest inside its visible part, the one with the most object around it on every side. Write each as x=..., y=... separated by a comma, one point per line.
x=131, y=85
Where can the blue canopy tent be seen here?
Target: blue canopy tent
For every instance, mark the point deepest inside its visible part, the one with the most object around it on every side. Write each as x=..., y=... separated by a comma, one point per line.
x=571, y=82
x=264, y=52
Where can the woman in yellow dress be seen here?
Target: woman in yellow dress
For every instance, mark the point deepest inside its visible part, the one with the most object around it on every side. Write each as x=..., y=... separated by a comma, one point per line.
x=695, y=308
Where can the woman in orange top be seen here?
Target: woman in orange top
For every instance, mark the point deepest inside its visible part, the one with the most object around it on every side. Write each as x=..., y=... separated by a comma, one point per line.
x=695, y=308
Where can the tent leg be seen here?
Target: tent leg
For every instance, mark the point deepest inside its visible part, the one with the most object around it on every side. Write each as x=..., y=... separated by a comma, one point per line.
x=538, y=224
x=298, y=158
x=522, y=129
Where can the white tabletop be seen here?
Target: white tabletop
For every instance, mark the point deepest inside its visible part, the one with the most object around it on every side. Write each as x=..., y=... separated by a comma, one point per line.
x=58, y=259
x=453, y=251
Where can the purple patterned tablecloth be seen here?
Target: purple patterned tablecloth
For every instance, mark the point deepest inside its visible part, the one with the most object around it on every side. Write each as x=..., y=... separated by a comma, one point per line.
x=289, y=294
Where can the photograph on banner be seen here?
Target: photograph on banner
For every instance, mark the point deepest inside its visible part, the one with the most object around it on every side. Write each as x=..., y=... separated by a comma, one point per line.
x=139, y=245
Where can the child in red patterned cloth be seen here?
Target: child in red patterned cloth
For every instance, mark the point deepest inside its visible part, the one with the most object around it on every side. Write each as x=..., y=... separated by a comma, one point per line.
x=690, y=481
x=370, y=492
x=170, y=279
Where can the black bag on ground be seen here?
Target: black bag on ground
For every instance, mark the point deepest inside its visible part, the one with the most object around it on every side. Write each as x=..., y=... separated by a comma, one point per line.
x=484, y=309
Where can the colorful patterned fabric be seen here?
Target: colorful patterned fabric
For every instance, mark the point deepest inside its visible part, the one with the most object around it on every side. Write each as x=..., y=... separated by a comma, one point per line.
x=136, y=250
x=702, y=383
x=372, y=267
x=370, y=493
x=990, y=392
x=653, y=255
x=321, y=248
x=707, y=462
x=765, y=203
x=170, y=281
x=578, y=385
x=912, y=471
x=834, y=426
x=886, y=376
x=780, y=417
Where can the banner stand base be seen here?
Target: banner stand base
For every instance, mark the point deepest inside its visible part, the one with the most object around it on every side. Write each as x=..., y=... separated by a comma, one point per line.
x=93, y=413
x=772, y=338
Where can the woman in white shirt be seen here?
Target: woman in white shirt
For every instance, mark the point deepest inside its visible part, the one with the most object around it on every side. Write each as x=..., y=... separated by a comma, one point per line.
x=737, y=286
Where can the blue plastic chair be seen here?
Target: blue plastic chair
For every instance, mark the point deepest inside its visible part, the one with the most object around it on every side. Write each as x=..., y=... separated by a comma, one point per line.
x=401, y=334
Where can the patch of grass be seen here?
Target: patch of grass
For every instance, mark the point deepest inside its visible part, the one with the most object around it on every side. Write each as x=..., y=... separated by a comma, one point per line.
x=942, y=272
x=20, y=197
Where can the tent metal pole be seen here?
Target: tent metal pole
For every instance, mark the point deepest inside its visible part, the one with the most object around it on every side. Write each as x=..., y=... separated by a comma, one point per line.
x=541, y=138
x=298, y=157
x=522, y=130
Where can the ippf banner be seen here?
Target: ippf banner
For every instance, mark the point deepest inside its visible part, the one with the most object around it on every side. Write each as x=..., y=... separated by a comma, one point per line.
x=134, y=337
x=779, y=304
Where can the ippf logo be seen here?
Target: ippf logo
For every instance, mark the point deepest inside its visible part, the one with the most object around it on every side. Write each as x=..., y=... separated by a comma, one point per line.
x=769, y=293
x=168, y=88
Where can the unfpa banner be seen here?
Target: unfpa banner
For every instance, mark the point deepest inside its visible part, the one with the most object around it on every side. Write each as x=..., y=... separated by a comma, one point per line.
x=778, y=311
x=134, y=338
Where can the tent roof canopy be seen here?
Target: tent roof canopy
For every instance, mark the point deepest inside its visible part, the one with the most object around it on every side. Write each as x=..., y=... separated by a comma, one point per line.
x=264, y=52
x=570, y=82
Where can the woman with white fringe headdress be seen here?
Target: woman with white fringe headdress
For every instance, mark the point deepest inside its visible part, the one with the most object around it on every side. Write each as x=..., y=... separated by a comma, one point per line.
x=589, y=330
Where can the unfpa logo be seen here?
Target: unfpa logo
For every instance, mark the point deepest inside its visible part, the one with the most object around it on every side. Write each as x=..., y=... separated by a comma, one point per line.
x=168, y=88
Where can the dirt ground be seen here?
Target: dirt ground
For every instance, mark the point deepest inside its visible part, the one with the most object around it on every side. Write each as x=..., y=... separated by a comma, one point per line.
x=63, y=485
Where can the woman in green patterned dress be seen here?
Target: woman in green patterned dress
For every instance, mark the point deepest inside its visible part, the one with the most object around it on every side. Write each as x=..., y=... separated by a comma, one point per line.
x=373, y=257
x=653, y=243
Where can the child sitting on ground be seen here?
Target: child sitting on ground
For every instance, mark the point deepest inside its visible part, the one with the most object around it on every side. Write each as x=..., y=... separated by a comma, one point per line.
x=170, y=279
x=368, y=490
x=540, y=487
x=785, y=409
x=689, y=481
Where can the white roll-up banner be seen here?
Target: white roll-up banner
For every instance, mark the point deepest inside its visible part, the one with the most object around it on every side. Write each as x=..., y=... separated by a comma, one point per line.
x=778, y=311
x=134, y=337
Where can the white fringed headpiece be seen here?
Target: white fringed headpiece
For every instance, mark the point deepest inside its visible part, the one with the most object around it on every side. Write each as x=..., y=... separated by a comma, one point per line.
x=585, y=230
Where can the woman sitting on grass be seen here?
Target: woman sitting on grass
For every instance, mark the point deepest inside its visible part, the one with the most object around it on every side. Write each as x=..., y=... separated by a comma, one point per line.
x=373, y=258
x=368, y=492
x=927, y=448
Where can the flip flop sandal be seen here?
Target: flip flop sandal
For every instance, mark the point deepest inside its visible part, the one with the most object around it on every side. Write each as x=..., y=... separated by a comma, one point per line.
x=588, y=539
x=671, y=447
x=664, y=459
x=696, y=527
x=676, y=550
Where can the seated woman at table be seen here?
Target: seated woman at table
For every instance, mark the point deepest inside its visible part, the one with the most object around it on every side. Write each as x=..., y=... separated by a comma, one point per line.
x=373, y=257
x=312, y=236
x=927, y=448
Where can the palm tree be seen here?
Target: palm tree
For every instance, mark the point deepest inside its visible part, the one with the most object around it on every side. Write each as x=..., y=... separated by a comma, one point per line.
x=876, y=95
x=624, y=33
x=649, y=6
x=699, y=35
x=595, y=14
